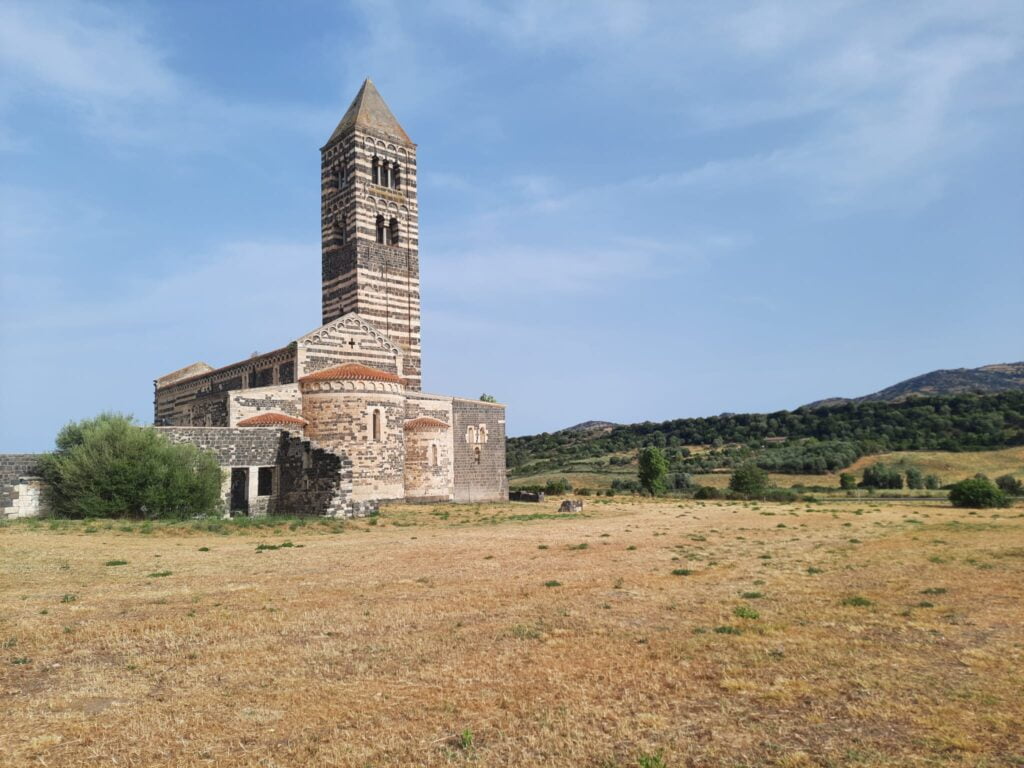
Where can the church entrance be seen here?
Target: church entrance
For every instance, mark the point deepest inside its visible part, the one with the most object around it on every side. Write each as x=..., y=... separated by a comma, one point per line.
x=239, y=491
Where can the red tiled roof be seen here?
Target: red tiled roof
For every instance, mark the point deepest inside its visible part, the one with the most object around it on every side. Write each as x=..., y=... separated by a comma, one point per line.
x=352, y=371
x=271, y=419
x=425, y=422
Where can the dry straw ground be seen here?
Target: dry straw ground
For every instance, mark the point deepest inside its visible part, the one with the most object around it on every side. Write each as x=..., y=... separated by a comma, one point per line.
x=640, y=634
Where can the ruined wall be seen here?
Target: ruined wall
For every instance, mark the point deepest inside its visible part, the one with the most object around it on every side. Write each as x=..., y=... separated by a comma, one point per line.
x=283, y=398
x=479, y=451
x=309, y=480
x=20, y=486
x=340, y=416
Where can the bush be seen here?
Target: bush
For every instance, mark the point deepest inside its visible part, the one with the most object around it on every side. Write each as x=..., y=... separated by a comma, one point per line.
x=915, y=478
x=557, y=487
x=707, y=492
x=110, y=467
x=681, y=481
x=932, y=482
x=847, y=481
x=749, y=479
x=1010, y=485
x=978, y=493
x=882, y=476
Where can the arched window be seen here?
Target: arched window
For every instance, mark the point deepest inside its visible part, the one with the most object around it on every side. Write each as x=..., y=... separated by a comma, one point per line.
x=476, y=454
x=470, y=435
x=482, y=434
x=376, y=425
x=341, y=176
x=433, y=455
x=393, y=231
x=385, y=173
x=396, y=176
x=375, y=165
x=381, y=230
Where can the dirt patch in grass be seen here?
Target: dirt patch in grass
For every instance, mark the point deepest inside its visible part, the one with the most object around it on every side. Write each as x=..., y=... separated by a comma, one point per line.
x=429, y=638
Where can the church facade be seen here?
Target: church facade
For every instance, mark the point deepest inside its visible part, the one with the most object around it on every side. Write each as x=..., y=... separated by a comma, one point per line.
x=336, y=421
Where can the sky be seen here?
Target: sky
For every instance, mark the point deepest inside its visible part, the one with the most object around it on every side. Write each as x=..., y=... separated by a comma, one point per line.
x=629, y=211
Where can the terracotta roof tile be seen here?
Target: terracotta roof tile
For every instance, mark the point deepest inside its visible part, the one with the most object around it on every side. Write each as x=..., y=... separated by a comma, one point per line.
x=425, y=422
x=271, y=419
x=356, y=371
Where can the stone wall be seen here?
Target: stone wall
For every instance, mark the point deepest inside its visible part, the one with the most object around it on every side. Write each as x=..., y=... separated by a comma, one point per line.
x=425, y=478
x=283, y=398
x=478, y=436
x=188, y=401
x=20, y=486
x=309, y=480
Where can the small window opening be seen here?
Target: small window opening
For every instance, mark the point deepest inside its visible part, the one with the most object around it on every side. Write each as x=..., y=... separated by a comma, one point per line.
x=381, y=230
x=396, y=176
x=433, y=455
x=376, y=424
x=341, y=177
x=393, y=231
x=376, y=170
x=476, y=454
x=265, y=481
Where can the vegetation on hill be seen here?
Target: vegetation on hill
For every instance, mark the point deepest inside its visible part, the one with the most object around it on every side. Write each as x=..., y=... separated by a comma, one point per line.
x=110, y=467
x=987, y=380
x=817, y=440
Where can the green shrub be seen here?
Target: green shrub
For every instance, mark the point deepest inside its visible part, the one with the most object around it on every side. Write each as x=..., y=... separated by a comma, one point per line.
x=978, y=493
x=109, y=467
x=1010, y=485
x=557, y=487
x=847, y=481
x=749, y=478
x=882, y=476
x=932, y=482
x=915, y=478
x=707, y=492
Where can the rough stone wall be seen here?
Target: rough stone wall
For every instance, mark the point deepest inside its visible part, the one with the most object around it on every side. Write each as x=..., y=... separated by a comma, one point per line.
x=479, y=476
x=310, y=480
x=340, y=417
x=188, y=401
x=379, y=281
x=348, y=339
x=283, y=398
x=20, y=486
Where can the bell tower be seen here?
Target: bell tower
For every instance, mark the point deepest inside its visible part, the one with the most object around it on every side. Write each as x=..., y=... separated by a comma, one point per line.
x=369, y=219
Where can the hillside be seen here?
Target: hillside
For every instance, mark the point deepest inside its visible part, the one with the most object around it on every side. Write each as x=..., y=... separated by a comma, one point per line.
x=986, y=380
x=808, y=441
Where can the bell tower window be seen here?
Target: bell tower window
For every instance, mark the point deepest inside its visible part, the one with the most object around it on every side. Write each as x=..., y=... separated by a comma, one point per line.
x=396, y=176
x=393, y=231
x=375, y=170
x=381, y=230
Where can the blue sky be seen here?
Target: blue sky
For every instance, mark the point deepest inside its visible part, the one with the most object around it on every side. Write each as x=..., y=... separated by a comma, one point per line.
x=629, y=211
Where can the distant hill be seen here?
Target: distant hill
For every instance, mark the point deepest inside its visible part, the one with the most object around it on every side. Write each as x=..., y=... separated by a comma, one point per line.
x=591, y=426
x=987, y=380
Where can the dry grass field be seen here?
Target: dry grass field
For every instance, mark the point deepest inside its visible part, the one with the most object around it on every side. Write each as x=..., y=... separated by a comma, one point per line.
x=638, y=634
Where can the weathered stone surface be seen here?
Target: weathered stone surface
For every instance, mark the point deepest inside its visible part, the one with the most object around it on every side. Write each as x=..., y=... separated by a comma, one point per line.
x=21, y=488
x=570, y=506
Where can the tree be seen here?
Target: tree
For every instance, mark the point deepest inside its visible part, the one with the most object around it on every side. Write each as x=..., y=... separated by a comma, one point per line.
x=977, y=493
x=653, y=470
x=110, y=467
x=749, y=478
x=882, y=476
x=847, y=481
x=1010, y=485
x=932, y=482
x=915, y=478
x=488, y=398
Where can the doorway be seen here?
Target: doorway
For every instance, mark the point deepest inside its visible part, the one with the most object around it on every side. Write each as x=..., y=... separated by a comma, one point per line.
x=239, y=490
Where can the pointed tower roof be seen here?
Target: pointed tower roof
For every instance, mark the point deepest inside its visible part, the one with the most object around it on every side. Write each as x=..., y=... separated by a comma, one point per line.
x=369, y=113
